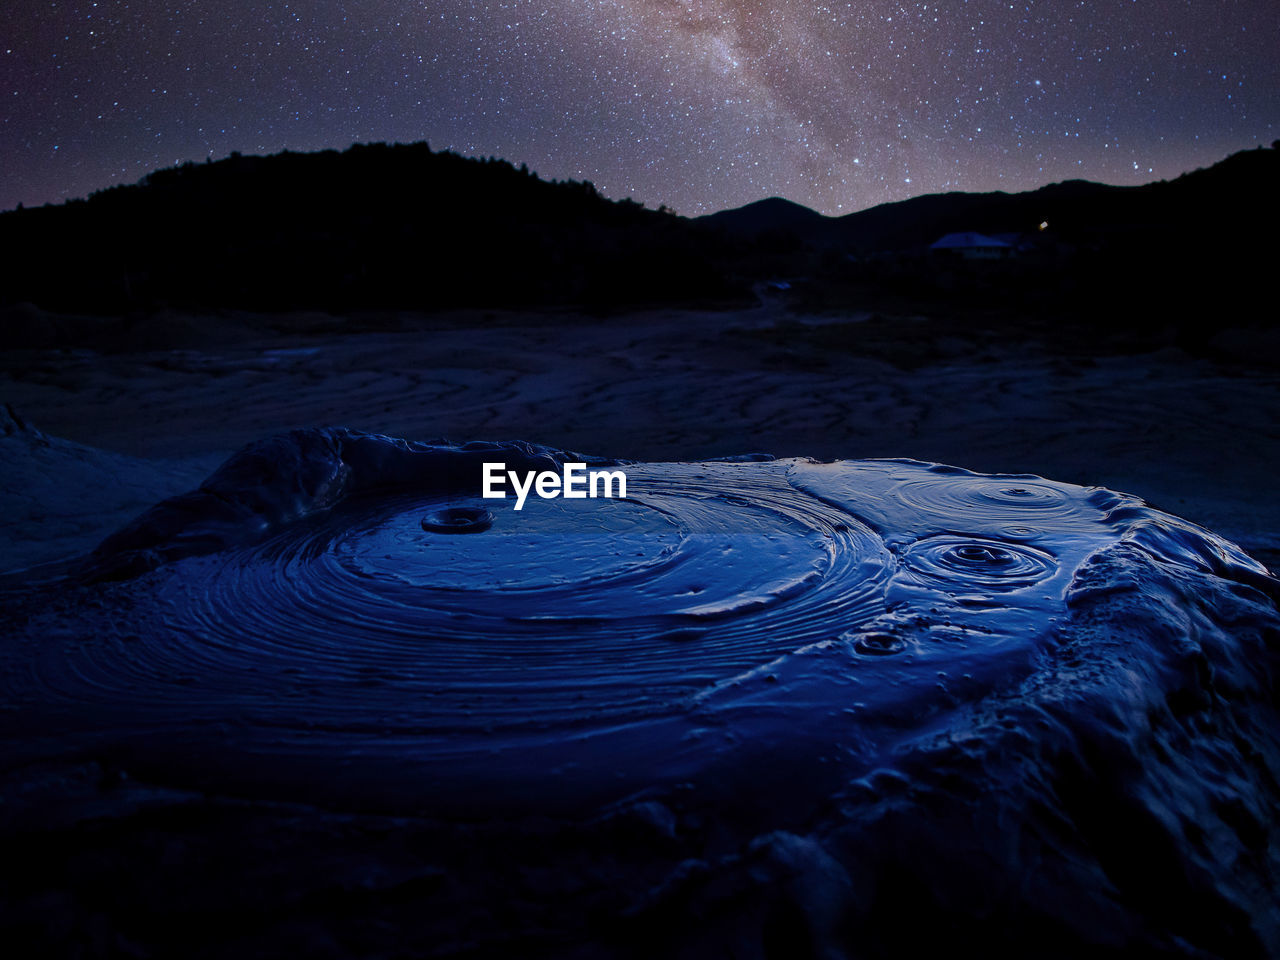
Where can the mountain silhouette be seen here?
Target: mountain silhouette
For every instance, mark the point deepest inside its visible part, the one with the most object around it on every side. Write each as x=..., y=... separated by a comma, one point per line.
x=1239, y=192
x=383, y=226
x=375, y=226
x=774, y=213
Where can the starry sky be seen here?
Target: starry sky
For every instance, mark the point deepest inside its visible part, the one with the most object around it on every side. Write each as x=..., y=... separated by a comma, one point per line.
x=696, y=104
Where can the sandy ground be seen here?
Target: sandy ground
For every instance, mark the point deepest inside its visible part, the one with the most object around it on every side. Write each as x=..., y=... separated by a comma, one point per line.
x=135, y=417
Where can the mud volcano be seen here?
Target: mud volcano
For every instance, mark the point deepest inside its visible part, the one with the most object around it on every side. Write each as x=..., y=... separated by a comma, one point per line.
x=829, y=699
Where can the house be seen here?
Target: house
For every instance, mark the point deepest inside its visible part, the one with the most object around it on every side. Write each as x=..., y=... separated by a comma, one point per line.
x=974, y=246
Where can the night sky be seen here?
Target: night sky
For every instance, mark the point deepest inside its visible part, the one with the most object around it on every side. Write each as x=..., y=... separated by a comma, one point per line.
x=698, y=104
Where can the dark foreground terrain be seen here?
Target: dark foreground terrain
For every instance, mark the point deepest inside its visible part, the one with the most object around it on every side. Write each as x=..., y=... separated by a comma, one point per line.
x=763, y=708
x=152, y=845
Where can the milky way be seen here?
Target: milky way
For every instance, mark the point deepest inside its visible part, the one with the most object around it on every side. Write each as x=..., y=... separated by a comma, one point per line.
x=698, y=104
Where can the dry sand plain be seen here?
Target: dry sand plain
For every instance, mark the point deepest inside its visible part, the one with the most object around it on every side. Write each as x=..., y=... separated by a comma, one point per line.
x=131, y=411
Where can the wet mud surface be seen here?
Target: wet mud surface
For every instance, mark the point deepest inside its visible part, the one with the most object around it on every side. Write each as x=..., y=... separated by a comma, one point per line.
x=758, y=707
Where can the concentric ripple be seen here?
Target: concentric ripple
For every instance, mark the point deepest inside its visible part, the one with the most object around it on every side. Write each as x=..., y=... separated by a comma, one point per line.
x=1034, y=520
x=979, y=562
x=458, y=520
x=566, y=613
x=987, y=497
x=312, y=607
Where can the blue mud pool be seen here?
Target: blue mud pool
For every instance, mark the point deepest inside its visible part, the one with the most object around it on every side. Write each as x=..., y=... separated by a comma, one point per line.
x=874, y=695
